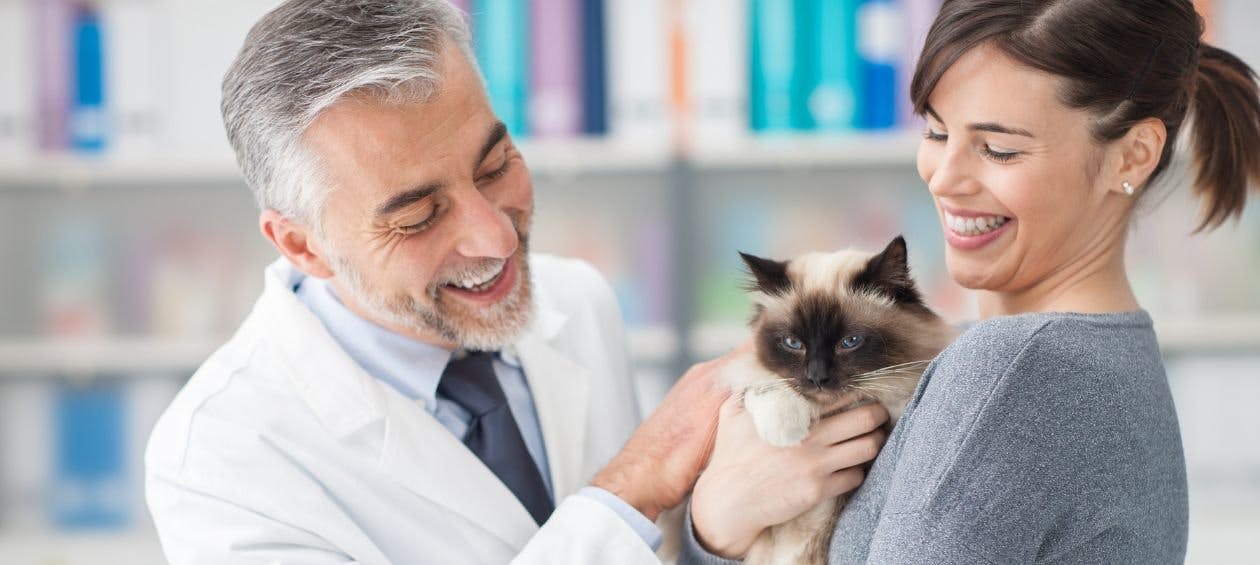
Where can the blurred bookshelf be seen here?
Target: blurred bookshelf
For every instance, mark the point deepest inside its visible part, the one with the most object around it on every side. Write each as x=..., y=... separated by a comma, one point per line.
x=127, y=264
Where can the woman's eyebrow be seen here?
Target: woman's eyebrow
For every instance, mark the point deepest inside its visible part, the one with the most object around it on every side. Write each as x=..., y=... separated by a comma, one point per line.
x=985, y=126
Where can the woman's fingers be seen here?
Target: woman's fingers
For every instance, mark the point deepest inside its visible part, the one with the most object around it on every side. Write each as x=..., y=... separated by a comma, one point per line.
x=844, y=481
x=848, y=424
x=854, y=452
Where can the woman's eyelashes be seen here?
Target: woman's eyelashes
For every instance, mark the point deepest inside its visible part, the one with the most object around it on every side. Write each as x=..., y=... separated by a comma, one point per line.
x=995, y=153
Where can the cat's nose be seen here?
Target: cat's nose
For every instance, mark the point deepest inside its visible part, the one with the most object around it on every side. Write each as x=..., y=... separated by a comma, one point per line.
x=817, y=374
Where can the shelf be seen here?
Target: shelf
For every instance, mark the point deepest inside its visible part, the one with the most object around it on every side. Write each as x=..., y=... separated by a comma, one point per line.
x=140, y=356
x=813, y=152
x=1185, y=336
x=546, y=158
x=132, y=356
x=41, y=547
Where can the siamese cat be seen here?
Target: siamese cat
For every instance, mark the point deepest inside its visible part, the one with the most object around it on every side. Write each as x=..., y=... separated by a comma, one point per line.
x=831, y=331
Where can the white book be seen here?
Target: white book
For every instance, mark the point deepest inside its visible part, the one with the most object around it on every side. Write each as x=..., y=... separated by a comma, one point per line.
x=17, y=81
x=199, y=42
x=639, y=71
x=131, y=68
x=26, y=451
x=717, y=71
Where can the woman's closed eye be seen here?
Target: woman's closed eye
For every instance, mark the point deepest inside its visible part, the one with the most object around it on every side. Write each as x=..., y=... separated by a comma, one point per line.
x=999, y=154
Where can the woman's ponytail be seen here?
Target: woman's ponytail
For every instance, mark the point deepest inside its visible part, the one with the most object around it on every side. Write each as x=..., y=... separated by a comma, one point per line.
x=1226, y=132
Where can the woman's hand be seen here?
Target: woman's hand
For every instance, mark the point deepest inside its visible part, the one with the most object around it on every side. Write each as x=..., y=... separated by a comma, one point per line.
x=750, y=485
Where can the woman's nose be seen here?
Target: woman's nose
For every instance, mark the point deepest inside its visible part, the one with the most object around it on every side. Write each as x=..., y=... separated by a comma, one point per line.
x=950, y=173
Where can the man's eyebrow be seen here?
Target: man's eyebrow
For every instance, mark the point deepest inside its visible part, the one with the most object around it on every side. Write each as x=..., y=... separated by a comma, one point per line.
x=497, y=132
x=407, y=198
x=985, y=126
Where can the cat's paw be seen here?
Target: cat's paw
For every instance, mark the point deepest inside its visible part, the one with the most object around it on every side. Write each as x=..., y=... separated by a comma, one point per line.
x=782, y=417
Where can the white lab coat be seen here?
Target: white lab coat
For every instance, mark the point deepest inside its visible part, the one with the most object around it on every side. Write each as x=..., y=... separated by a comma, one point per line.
x=281, y=449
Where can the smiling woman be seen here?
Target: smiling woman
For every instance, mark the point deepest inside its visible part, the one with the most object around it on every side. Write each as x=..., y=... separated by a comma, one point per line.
x=1046, y=433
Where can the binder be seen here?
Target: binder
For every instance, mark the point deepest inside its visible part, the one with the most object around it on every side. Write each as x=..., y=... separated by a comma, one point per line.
x=53, y=61
x=90, y=470
x=131, y=81
x=557, y=66
x=717, y=66
x=918, y=17
x=501, y=43
x=88, y=124
x=17, y=98
x=834, y=99
x=594, y=68
x=880, y=45
x=774, y=64
x=639, y=78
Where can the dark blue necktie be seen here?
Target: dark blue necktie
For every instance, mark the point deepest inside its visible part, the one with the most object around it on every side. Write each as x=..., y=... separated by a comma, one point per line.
x=493, y=434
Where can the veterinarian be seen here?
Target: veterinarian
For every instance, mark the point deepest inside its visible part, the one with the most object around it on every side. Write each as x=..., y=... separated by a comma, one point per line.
x=413, y=386
x=1046, y=433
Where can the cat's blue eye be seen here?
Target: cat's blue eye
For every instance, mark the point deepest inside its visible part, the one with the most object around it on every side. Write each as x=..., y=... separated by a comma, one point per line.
x=851, y=342
x=792, y=343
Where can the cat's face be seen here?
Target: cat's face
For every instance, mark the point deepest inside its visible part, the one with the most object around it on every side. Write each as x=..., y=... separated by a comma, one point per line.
x=825, y=321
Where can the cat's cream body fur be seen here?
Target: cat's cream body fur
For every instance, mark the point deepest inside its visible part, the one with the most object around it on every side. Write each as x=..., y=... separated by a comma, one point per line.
x=783, y=415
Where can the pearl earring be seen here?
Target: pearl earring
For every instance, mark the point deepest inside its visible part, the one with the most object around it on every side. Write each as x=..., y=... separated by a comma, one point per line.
x=1128, y=188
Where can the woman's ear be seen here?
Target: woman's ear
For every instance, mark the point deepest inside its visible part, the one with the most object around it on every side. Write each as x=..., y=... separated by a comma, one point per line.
x=1139, y=153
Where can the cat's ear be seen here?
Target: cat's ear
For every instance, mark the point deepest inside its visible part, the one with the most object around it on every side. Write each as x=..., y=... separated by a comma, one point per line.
x=888, y=273
x=769, y=276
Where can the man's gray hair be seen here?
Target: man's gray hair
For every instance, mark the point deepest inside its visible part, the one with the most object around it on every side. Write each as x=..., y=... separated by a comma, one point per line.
x=306, y=55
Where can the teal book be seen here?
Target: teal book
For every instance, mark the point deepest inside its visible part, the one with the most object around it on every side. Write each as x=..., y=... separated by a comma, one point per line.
x=833, y=98
x=502, y=45
x=773, y=78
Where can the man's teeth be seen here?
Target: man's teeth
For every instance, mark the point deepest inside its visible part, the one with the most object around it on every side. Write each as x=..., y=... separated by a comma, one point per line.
x=478, y=284
x=974, y=226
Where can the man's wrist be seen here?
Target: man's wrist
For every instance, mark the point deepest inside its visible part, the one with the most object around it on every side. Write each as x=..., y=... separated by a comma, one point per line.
x=621, y=479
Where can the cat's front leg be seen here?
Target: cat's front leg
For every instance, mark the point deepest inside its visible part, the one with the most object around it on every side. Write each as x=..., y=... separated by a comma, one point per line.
x=782, y=416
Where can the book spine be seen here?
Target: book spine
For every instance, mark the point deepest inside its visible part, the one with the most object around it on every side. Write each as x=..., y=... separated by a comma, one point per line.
x=17, y=101
x=773, y=61
x=501, y=43
x=131, y=83
x=834, y=98
x=880, y=39
x=718, y=70
x=639, y=71
x=556, y=82
x=90, y=472
x=918, y=18
x=594, y=68
x=52, y=58
x=88, y=123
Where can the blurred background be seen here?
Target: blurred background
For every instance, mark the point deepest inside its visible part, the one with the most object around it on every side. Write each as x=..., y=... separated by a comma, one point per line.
x=663, y=135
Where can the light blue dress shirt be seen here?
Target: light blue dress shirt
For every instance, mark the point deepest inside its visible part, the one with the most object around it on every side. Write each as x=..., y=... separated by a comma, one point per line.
x=413, y=368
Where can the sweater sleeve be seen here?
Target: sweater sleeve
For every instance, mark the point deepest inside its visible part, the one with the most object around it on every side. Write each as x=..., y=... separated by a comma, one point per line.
x=1000, y=455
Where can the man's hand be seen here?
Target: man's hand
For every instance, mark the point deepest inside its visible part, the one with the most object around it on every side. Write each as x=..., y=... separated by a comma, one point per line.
x=662, y=460
x=751, y=485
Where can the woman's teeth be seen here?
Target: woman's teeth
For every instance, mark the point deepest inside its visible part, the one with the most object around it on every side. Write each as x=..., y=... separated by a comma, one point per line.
x=974, y=226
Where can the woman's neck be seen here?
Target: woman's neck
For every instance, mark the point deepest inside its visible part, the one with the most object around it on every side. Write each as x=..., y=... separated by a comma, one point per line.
x=1096, y=285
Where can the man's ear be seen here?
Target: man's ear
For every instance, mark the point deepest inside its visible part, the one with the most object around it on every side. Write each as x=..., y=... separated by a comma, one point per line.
x=296, y=243
x=1139, y=151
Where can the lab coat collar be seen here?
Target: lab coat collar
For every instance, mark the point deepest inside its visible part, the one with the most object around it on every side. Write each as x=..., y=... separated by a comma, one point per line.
x=417, y=451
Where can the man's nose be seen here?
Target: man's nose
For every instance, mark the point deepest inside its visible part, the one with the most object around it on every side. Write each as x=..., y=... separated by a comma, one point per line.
x=485, y=229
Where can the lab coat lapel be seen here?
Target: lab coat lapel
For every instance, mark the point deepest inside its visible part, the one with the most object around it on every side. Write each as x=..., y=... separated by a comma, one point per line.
x=424, y=457
x=561, y=390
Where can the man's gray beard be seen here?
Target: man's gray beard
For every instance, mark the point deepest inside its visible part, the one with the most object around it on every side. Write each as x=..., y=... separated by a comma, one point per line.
x=481, y=329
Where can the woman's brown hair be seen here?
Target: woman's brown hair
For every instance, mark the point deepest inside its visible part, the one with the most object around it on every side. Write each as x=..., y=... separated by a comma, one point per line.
x=1123, y=61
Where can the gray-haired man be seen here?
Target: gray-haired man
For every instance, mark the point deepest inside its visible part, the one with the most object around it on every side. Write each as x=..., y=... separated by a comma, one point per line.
x=412, y=386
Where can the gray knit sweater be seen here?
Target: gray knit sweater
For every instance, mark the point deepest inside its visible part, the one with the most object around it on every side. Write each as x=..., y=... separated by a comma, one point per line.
x=1038, y=438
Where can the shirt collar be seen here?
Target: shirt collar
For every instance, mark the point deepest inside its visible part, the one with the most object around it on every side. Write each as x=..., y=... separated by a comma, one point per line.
x=412, y=367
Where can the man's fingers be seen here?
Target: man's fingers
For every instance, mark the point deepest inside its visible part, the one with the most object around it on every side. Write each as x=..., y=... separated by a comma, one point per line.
x=848, y=424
